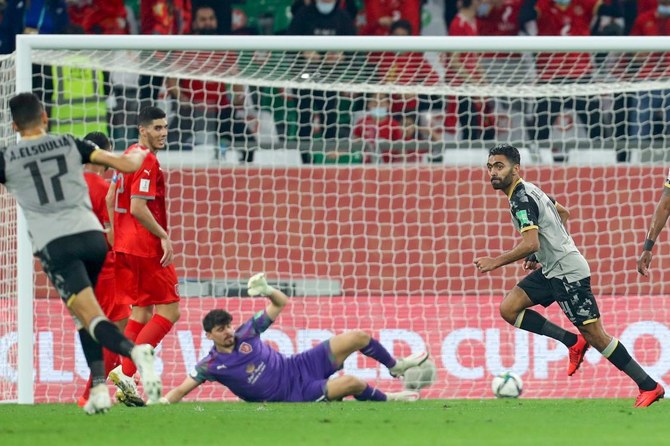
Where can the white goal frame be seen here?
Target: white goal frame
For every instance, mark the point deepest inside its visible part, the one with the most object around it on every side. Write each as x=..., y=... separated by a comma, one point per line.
x=25, y=45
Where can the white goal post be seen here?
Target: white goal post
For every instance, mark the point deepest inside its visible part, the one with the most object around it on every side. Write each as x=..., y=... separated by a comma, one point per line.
x=417, y=270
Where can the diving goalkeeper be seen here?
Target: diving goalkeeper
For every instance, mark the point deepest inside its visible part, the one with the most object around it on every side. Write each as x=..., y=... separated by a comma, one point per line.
x=256, y=372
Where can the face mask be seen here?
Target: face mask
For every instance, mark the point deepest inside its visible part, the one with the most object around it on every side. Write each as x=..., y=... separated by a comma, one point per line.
x=663, y=10
x=562, y=2
x=325, y=8
x=378, y=112
x=484, y=9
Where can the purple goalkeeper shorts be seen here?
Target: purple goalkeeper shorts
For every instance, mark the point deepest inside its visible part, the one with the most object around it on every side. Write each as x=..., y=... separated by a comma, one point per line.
x=311, y=370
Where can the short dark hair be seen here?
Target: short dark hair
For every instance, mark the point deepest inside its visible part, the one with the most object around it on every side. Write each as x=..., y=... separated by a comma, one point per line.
x=508, y=151
x=148, y=114
x=26, y=110
x=100, y=140
x=215, y=318
x=402, y=24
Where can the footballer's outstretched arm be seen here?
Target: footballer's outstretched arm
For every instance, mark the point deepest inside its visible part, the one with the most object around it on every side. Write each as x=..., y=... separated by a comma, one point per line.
x=128, y=162
x=658, y=222
x=259, y=286
x=175, y=395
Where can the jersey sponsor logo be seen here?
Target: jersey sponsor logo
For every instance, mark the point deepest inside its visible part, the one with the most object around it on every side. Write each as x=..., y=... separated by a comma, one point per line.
x=144, y=185
x=148, y=172
x=522, y=216
x=245, y=348
x=221, y=366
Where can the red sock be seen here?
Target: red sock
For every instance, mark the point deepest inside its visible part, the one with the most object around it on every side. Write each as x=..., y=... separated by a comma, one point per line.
x=111, y=360
x=153, y=333
x=133, y=329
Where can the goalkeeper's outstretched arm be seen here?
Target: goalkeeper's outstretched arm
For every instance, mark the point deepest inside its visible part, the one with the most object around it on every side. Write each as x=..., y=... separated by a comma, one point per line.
x=175, y=395
x=258, y=286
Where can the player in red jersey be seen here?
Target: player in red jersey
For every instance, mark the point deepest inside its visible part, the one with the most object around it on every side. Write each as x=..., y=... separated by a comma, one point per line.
x=104, y=289
x=143, y=249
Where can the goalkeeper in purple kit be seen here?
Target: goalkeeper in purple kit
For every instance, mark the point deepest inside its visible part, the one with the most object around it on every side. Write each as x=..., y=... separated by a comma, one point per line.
x=256, y=372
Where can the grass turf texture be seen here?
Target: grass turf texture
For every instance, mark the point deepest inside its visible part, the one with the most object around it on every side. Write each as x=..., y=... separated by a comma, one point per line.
x=435, y=422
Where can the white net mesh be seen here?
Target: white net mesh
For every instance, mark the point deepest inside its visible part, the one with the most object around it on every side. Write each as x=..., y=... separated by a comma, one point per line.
x=382, y=238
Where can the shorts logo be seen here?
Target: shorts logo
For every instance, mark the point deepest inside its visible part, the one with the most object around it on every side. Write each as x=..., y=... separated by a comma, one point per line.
x=250, y=368
x=245, y=348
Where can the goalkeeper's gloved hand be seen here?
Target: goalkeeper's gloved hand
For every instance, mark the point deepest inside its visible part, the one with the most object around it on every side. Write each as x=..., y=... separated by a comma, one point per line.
x=259, y=286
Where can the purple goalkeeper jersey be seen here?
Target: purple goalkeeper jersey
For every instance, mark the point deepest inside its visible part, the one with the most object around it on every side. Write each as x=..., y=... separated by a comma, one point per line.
x=256, y=372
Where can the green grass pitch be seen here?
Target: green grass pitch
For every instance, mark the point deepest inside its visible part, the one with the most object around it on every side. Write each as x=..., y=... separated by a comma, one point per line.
x=431, y=422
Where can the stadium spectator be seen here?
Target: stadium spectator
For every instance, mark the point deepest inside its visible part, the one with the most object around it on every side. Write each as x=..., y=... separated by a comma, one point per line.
x=99, y=16
x=377, y=125
x=349, y=6
x=650, y=115
x=67, y=237
x=381, y=14
x=319, y=111
x=566, y=18
x=105, y=288
x=474, y=114
x=223, y=10
x=564, y=276
x=144, y=254
x=256, y=372
x=205, y=105
x=406, y=69
x=161, y=17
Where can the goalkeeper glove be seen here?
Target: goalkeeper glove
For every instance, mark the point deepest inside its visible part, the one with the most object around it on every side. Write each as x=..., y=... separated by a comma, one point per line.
x=259, y=286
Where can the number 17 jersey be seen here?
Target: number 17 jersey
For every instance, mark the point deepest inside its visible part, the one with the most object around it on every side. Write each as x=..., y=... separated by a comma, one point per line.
x=46, y=175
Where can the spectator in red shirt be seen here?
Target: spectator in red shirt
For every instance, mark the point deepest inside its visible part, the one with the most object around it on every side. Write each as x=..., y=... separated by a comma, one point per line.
x=405, y=69
x=465, y=67
x=99, y=16
x=378, y=126
x=566, y=18
x=162, y=17
x=651, y=109
x=381, y=14
x=205, y=105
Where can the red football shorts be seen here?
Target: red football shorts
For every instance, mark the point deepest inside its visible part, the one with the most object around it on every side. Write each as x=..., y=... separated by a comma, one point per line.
x=142, y=281
x=105, y=292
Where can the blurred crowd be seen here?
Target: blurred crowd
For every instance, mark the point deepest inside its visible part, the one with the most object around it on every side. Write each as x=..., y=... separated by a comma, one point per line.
x=78, y=99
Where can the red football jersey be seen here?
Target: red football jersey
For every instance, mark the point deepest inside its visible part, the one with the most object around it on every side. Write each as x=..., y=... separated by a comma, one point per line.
x=147, y=183
x=409, y=10
x=651, y=24
x=573, y=20
x=502, y=20
x=97, y=190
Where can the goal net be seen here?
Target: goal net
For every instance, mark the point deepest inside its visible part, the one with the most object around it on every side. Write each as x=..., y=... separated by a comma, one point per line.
x=352, y=172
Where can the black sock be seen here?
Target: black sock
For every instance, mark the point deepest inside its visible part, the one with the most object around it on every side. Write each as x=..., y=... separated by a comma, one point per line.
x=109, y=336
x=93, y=354
x=617, y=354
x=532, y=321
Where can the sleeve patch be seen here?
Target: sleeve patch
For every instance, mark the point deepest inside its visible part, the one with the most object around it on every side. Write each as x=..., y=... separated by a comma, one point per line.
x=144, y=185
x=522, y=216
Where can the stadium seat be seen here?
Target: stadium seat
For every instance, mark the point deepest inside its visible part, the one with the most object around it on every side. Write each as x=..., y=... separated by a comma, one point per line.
x=277, y=157
x=592, y=157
